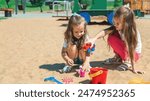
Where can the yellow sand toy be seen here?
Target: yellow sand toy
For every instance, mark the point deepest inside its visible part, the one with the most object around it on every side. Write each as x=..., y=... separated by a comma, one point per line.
x=138, y=81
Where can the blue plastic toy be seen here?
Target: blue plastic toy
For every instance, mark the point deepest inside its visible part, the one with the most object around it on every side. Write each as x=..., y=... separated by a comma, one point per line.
x=51, y=78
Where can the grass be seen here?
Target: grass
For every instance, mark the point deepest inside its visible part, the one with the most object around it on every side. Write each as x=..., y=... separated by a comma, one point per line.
x=2, y=18
x=29, y=7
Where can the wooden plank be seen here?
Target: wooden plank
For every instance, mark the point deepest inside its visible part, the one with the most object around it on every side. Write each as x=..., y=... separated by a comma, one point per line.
x=6, y=9
x=136, y=4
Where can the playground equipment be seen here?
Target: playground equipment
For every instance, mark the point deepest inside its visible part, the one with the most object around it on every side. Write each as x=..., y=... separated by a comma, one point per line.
x=139, y=6
x=22, y=6
x=146, y=6
x=96, y=7
x=6, y=8
x=62, y=5
x=7, y=12
x=87, y=8
x=19, y=5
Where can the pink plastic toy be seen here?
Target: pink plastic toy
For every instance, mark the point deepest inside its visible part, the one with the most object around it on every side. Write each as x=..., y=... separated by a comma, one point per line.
x=67, y=80
x=81, y=72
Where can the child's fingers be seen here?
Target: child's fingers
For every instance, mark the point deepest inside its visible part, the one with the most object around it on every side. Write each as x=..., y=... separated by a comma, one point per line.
x=138, y=72
x=91, y=42
x=84, y=68
x=70, y=62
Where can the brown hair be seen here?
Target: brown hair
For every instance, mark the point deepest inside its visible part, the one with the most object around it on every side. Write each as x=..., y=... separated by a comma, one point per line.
x=74, y=21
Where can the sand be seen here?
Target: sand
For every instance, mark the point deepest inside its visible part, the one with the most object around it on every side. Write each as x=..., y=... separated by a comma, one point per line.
x=30, y=50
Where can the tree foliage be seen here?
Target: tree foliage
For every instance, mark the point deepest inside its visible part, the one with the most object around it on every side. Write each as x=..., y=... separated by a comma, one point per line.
x=38, y=3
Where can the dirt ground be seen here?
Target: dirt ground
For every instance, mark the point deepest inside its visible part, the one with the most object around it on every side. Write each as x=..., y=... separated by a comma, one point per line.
x=30, y=50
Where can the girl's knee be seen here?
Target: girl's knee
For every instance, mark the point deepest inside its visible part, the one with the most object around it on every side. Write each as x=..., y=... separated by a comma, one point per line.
x=82, y=54
x=72, y=51
x=72, y=48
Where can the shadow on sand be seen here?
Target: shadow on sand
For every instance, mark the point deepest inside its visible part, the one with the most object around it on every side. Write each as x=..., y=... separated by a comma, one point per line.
x=52, y=67
x=103, y=65
x=99, y=23
x=62, y=19
x=57, y=66
x=91, y=23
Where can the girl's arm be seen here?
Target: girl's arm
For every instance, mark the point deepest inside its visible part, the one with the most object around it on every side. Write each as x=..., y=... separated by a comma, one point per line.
x=102, y=34
x=64, y=53
x=136, y=71
x=66, y=57
x=86, y=64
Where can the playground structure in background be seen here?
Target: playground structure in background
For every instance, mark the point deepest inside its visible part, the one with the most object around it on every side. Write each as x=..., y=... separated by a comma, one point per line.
x=88, y=8
x=21, y=6
x=142, y=5
x=61, y=5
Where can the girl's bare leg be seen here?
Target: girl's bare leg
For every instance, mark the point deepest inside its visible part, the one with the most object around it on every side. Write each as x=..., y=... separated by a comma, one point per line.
x=82, y=55
x=72, y=52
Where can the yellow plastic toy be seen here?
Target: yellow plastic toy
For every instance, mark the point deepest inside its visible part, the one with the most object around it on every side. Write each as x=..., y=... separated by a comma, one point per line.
x=138, y=81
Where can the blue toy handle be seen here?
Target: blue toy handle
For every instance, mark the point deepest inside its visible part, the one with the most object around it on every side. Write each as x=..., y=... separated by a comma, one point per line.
x=89, y=50
x=51, y=78
x=93, y=48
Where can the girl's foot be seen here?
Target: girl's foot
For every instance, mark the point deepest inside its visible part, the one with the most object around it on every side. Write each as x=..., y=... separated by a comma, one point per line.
x=115, y=60
x=66, y=69
x=124, y=66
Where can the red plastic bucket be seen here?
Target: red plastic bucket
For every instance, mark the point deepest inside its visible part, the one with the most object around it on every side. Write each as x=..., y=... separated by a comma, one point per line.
x=98, y=75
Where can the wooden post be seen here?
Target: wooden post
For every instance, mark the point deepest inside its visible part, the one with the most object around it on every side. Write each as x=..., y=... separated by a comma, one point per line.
x=16, y=6
x=24, y=6
x=146, y=6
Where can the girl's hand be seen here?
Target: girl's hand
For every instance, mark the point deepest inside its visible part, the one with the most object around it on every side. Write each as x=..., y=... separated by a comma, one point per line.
x=86, y=67
x=92, y=41
x=137, y=72
x=70, y=62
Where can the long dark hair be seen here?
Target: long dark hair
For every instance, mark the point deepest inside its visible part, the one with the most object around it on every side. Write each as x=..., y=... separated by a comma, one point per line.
x=126, y=15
